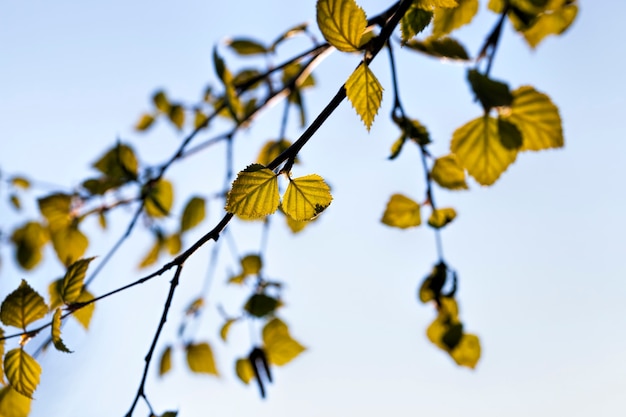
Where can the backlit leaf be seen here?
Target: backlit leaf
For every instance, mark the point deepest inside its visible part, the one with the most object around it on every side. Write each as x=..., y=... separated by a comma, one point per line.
x=467, y=351
x=15, y=202
x=29, y=241
x=161, y=102
x=448, y=173
x=13, y=404
x=22, y=307
x=72, y=284
x=144, y=122
x=200, y=119
x=22, y=371
x=200, y=359
x=231, y=99
x=165, y=363
x=177, y=115
x=478, y=148
x=246, y=46
x=83, y=316
x=260, y=305
x=553, y=22
x=432, y=4
x=2, y=343
x=20, y=182
x=244, y=370
x=280, y=347
x=446, y=48
x=193, y=214
x=537, y=118
x=56, y=332
x=237, y=279
x=414, y=21
x=365, y=93
x=226, y=328
x=69, y=244
x=160, y=199
x=448, y=19
x=402, y=212
x=56, y=209
x=489, y=92
x=251, y=264
x=441, y=217
x=254, y=193
x=173, y=244
x=119, y=163
x=153, y=254
x=342, y=22
x=291, y=32
x=271, y=150
x=510, y=136
x=397, y=146
x=306, y=197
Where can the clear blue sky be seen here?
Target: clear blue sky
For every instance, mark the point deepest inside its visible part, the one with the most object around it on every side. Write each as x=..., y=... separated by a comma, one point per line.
x=540, y=254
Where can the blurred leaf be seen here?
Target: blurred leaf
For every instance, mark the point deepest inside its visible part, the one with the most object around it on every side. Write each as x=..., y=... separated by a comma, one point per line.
x=537, y=118
x=281, y=348
x=165, y=363
x=22, y=371
x=251, y=264
x=13, y=404
x=479, y=149
x=153, y=254
x=226, y=328
x=306, y=197
x=69, y=244
x=414, y=21
x=489, y=92
x=56, y=209
x=260, y=305
x=467, y=351
x=402, y=212
x=365, y=93
x=83, y=316
x=144, y=122
x=246, y=46
x=54, y=291
x=20, y=182
x=119, y=164
x=432, y=4
x=193, y=214
x=161, y=102
x=29, y=241
x=170, y=414
x=446, y=20
x=2, y=343
x=271, y=149
x=448, y=173
x=72, y=284
x=447, y=48
x=553, y=22
x=102, y=220
x=200, y=359
x=22, y=307
x=200, y=119
x=397, y=146
x=194, y=308
x=237, y=279
x=231, y=99
x=301, y=28
x=510, y=136
x=441, y=217
x=177, y=115
x=254, y=193
x=297, y=226
x=160, y=199
x=244, y=370
x=15, y=202
x=56, y=332
x=173, y=244
x=426, y=293
x=342, y=22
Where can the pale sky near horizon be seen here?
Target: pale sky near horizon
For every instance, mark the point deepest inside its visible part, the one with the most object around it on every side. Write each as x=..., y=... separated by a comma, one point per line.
x=539, y=254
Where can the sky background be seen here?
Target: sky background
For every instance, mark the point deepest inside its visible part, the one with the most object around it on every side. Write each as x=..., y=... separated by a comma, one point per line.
x=539, y=254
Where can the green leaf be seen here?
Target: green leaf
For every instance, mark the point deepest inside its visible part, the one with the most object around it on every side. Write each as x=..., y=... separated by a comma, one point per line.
x=467, y=351
x=22, y=307
x=145, y=121
x=161, y=102
x=244, y=370
x=402, y=212
x=447, y=20
x=246, y=46
x=306, y=197
x=200, y=359
x=177, y=115
x=13, y=404
x=69, y=244
x=119, y=163
x=29, y=241
x=56, y=208
x=22, y=371
x=193, y=214
x=489, y=92
x=448, y=173
x=446, y=48
x=441, y=217
x=536, y=117
x=72, y=284
x=83, y=316
x=260, y=305
x=271, y=149
x=365, y=93
x=165, y=363
x=280, y=347
x=414, y=21
x=510, y=136
x=553, y=22
x=479, y=149
x=160, y=199
x=226, y=328
x=254, y=193
x=56, y=332
x=342, y=22
x=251, y=264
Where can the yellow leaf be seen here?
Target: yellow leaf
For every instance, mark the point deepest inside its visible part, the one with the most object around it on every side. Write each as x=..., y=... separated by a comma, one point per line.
x=56, y=209
x=22, y=307
x=281, y=348
x=254, y=193
x=161, y=102
x=402, y=212
x=200, y=119
x=237, y=279
x=153, y=254
x=365, y=93
x=83, y=316
x=200, y=359
x=13, y=404
x=177, y=115
x=297, y=226
x=448, y=173
x=144, y=122
x=447, y=20
x=173, y=244
x=22, y=371
x=72, y=283
x=20, y=182
x=69, y=243
x=432, y=4
x=552, y=22
x=271, y=150
x=251, y=264
x=160, y=199
x=479, y=149
x=29, y=241
x=244, y=370
x=194, y=307
x=119, y=163
x=193, y=214
x=536, y=117
x=342, y=22
x=467, y=351
x=56, y=332
x=225, y=328
x=441, y=217
x=306, y=197
x=165, y=364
